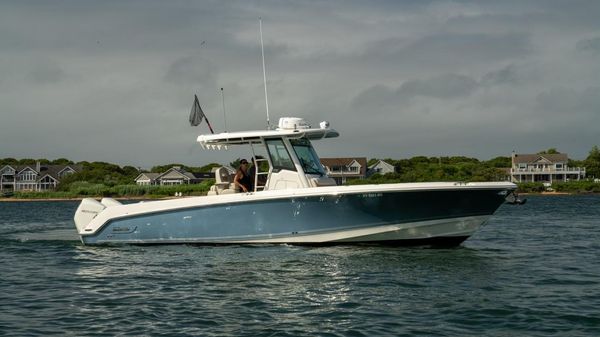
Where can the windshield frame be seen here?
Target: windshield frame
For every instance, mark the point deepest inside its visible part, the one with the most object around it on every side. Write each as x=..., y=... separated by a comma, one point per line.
x=280, y=158
x=307, y=156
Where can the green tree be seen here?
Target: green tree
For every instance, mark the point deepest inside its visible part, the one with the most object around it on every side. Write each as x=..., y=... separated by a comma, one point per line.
x=592, y=162
x=499, y=162
x=235, y=164
x=8, y=161
x=27, y=161
x=61, y=161
x=163, y=168
x=372, y=161
x=549, y=151
x=130, y=171
x=208, y=167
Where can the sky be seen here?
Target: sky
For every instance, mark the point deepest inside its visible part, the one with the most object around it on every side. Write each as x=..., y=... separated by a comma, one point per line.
x=115, y=80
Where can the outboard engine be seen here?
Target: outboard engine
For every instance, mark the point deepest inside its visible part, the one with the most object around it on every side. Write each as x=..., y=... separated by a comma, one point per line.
x=88, y=209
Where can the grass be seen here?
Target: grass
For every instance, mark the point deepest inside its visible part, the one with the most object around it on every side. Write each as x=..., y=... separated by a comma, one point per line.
x=81, y=189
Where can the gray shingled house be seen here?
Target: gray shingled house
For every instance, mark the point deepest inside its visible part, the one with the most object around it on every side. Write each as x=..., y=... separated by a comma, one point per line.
x=33, y=177
x=173, y=176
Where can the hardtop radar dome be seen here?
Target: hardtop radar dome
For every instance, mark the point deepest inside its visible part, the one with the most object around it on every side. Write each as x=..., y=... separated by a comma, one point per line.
x=292, y=123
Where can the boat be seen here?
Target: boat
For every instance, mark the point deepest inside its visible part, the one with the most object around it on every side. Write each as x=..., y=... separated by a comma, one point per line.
x=295, y=202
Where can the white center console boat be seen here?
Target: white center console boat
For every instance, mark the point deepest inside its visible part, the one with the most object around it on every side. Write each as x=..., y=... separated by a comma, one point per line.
x=294, y=201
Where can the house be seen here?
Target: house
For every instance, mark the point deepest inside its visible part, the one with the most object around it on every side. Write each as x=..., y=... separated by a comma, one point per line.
x=344, y=169
x=545, y=168
x=173, y=176
x=36, y=177
x=380, y=167
x=148, y=178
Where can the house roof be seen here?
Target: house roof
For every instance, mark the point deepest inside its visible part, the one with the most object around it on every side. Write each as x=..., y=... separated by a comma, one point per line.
x=175, y=173
x=50, y=170
x=381, y=163
x=532, y=158
x=330, y=162
x=2, y=168
x=343, y=161
x=149, y=175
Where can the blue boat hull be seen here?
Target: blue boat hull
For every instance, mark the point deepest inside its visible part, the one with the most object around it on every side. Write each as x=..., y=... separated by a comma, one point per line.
x=447, y=217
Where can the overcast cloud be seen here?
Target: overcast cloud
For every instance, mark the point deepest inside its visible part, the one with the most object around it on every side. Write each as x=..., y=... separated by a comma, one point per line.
x=114, y=80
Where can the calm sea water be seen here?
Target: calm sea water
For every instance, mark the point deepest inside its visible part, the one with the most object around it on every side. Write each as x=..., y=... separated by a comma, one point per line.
x=533, y=270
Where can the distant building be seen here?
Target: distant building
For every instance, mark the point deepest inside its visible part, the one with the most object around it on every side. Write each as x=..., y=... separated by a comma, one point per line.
x=147, y=178
x=36, y=177
x=173, y=176
x=344, y=169
x=380, y=167
x=545, y=168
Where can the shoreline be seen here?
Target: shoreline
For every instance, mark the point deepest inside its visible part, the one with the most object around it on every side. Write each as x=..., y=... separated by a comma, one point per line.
x=78, y=199
x=173, y=197
x=551, y=193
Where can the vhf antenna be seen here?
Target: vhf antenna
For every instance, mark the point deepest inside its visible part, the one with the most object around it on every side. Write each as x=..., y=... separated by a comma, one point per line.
x=262, y=49
x=224, y=116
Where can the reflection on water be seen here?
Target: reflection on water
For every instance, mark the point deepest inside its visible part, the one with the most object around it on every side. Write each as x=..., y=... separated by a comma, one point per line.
x=50, y=235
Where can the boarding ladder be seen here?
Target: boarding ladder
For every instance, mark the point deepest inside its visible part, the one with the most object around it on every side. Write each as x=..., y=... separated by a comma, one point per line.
x=264, y=175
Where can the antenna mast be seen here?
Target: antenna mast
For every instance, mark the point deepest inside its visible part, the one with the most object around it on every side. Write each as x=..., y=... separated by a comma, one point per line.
x=224, y=116
x=262, y=49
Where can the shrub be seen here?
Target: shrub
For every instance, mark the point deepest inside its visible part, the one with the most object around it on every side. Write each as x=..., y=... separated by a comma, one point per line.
x=531, y=187
x=582, y=186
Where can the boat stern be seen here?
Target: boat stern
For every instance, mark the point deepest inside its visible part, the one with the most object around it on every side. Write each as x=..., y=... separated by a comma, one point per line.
x=90, y=208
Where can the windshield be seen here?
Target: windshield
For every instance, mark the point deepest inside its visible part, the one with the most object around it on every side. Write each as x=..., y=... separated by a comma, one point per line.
x=279, y=155
x=308, y=157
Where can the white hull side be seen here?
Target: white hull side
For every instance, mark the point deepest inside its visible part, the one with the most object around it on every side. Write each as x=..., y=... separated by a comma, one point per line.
x=423, y=230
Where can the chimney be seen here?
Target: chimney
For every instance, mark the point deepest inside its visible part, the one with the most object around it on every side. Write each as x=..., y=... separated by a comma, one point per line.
x=37, y=166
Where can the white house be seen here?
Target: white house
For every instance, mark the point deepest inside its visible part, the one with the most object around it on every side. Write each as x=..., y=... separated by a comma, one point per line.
x=380, y=167
x=343, y=169
x=546, y=168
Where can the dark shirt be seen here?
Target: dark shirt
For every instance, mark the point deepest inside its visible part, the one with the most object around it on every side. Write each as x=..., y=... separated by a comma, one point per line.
x=245, y=180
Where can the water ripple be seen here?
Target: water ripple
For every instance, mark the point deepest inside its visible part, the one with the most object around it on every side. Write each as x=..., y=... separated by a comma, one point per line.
x=533, y=270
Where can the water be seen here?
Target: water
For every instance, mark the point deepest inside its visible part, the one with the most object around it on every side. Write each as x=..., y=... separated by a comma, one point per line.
x=533, y=271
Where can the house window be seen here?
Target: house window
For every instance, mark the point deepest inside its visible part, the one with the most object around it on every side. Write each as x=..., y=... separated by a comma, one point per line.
x=8, y=172
x=522, y=166
x=353, y=169
x=28, y=176
x=559, y=166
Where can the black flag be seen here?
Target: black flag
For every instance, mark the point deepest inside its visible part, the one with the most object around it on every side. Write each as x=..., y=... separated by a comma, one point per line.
x=196, y=115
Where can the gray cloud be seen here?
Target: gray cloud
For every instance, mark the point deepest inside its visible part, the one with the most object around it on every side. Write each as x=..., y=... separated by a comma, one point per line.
x=506, y=75
x=444, y=86
x=191, y=70
x=46, y=72
x=114, y=80
x=591, y=45
x=451, y=50
x=571, y=103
